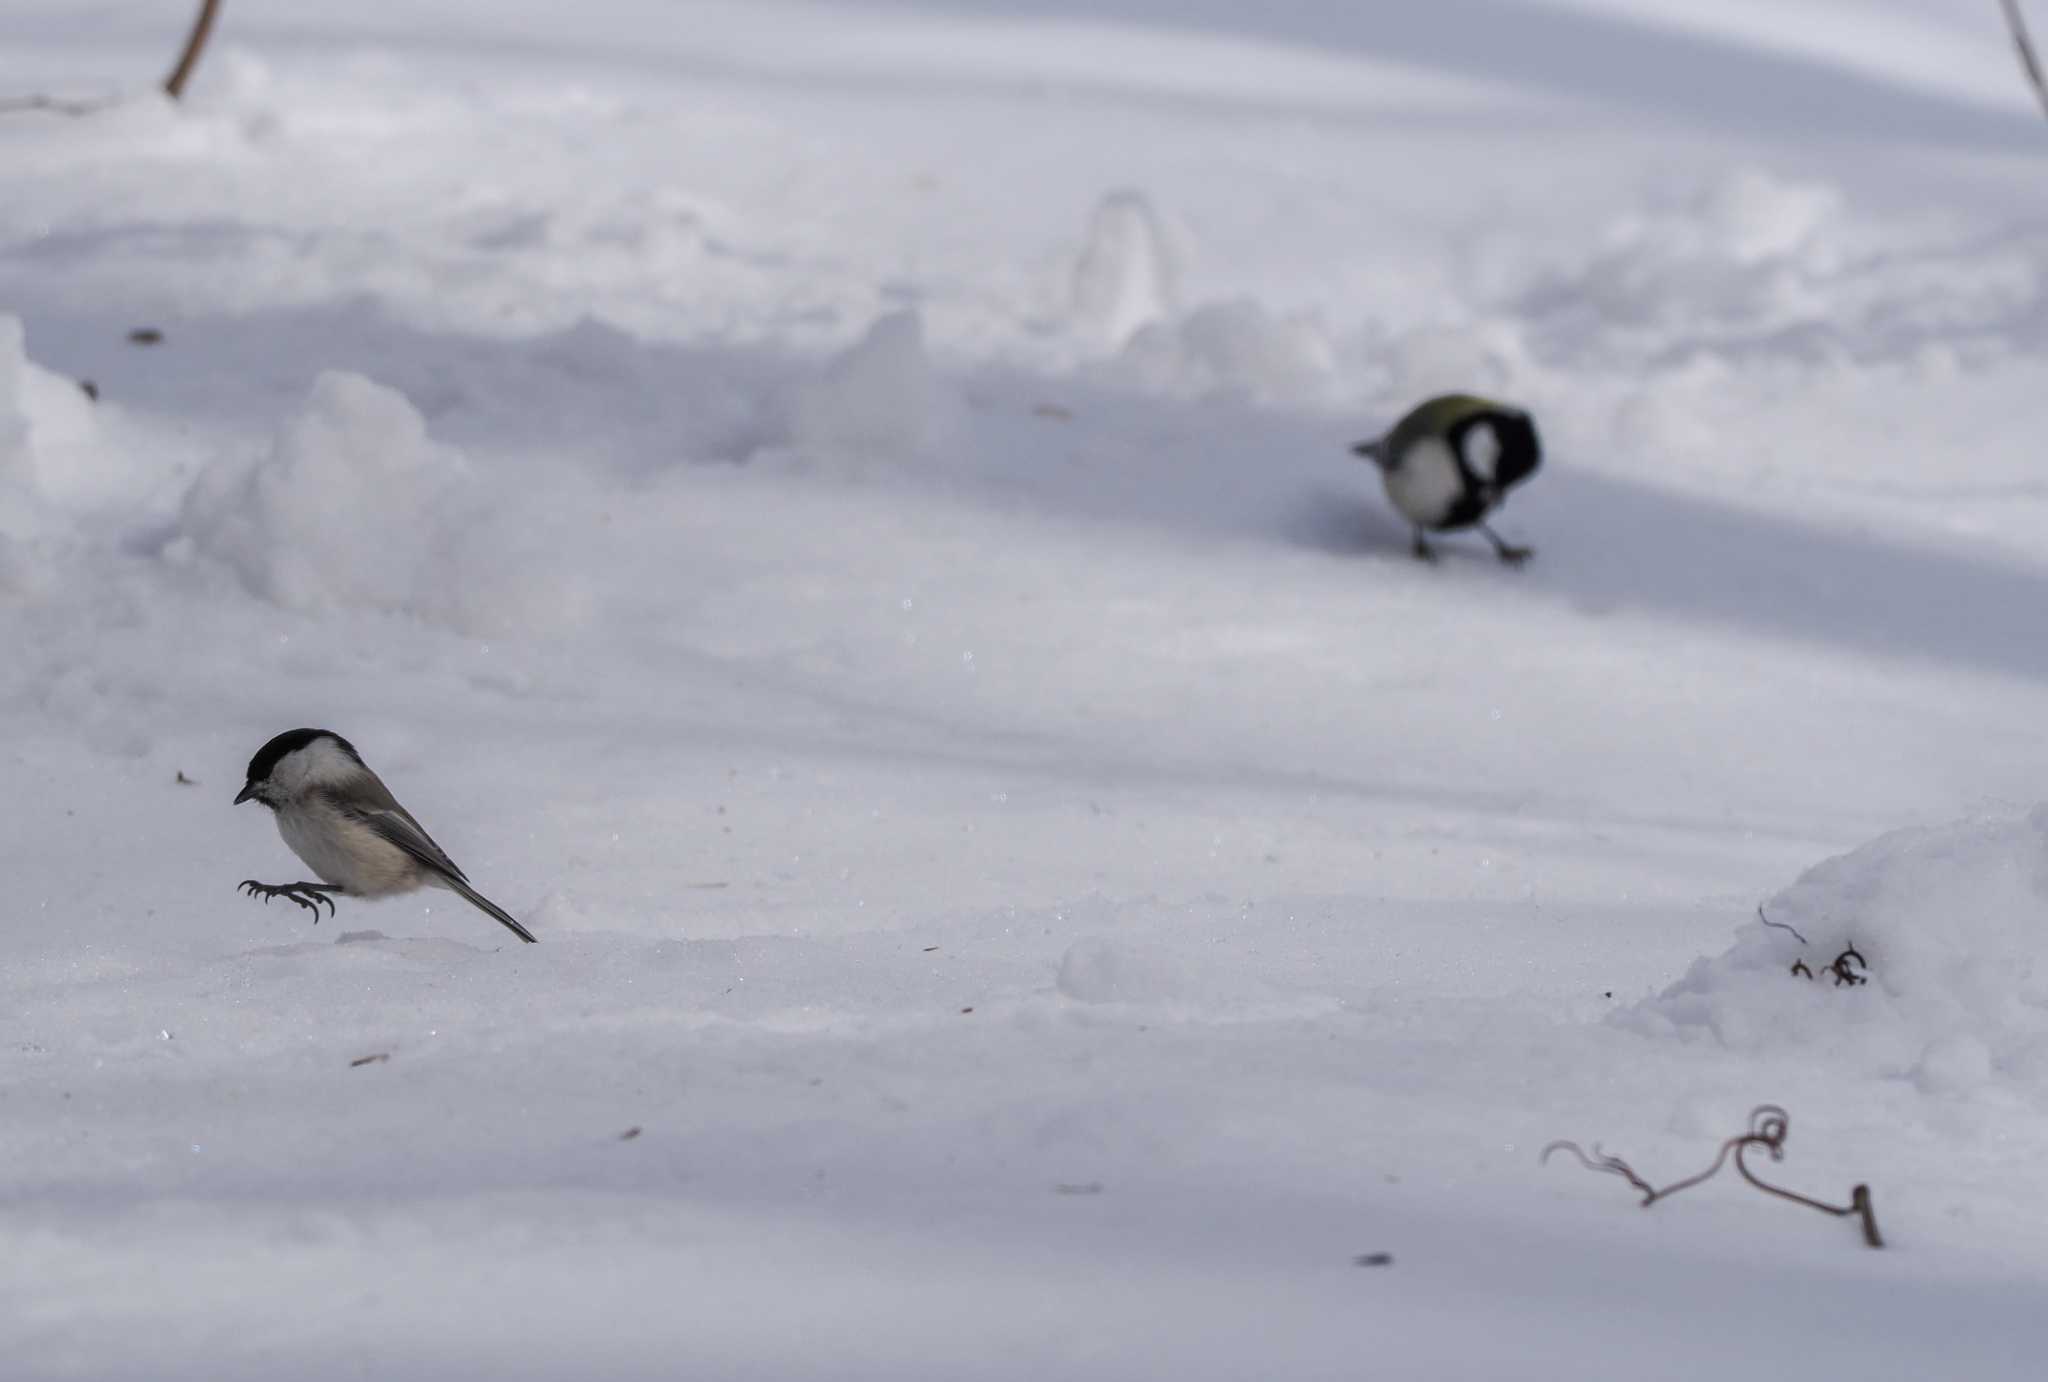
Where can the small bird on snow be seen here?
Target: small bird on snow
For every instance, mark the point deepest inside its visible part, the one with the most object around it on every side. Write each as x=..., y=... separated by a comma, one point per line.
x=342, y=820
x=1451, y=461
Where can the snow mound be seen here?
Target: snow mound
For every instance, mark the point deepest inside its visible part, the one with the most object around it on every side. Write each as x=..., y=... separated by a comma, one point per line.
x=1129, y=270
x=46, y=427
x=1753, y=217
x=877, y=397
x=1483, y=358
x=356, y=507
x=341, y=512
x=19, y=491
x=48, y=458
x=1953, y=924
x=16, y=458
x=1232, y=349
x=1747, y=254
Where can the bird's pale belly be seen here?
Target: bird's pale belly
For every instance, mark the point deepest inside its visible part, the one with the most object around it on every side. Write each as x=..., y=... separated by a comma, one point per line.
x=1427, y=485
x=348, y=854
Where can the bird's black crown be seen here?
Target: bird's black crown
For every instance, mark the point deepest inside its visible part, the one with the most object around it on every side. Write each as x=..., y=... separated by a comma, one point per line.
x=290, y=742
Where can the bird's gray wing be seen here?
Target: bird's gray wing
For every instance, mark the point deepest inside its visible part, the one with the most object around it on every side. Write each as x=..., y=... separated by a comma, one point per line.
x=371, y=803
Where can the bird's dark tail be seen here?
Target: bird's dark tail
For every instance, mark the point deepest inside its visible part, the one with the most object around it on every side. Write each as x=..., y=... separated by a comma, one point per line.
x=492, y=910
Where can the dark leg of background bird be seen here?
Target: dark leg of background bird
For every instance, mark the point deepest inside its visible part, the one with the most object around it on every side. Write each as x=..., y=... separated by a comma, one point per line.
x=307, y=895
x=1513, y=556
x=1422, y=549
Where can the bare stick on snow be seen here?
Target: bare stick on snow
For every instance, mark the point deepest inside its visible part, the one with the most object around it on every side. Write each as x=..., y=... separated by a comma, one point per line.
x=195, y=43
x=174, y=85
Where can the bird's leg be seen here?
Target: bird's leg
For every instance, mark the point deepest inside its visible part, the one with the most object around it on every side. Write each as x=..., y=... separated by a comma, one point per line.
x=1513, y=556
x=1422, y=549
x=307, y=895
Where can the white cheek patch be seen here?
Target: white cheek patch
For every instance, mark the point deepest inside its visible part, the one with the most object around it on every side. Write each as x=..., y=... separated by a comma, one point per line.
x=320, y=763
x=1482, y=450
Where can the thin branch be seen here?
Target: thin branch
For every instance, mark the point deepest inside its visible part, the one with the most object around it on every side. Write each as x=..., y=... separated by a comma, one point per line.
x=2015, y=21
x=195, y=43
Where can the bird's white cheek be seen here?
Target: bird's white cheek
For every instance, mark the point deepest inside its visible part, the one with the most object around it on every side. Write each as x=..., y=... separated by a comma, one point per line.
x=1483, y=450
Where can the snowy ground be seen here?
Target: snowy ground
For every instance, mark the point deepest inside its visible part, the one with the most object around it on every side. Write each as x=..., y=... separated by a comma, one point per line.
x=838, y=516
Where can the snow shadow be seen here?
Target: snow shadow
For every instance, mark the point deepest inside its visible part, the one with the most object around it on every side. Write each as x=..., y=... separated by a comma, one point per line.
x=1608, y=545
x=1705, y=80
x=592, y=396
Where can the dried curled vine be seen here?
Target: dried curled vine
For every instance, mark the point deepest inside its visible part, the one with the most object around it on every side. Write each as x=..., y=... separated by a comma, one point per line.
x=1849, y=967
x=1769, y=1125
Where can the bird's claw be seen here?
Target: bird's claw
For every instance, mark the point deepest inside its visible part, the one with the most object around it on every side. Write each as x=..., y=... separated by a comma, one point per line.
x=1515, y=556
x=294, y=892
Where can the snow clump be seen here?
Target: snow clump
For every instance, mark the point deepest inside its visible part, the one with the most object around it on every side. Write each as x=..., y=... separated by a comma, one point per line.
x=1952, y=923
x=1129, y=270
x=1749, y=256
x=46, y=428
x=47, y=459
x=1235, y=349
x=879, y=396
x=342, y=512
x=356, y=507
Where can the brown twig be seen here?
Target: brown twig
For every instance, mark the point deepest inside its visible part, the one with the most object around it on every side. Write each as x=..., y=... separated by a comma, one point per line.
x=2029, y=64
x=174, y=85
x=195, y=44
x=1769, y=1125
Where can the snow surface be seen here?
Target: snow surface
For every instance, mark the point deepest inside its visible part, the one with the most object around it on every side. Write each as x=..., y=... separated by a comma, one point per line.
x=839, y=516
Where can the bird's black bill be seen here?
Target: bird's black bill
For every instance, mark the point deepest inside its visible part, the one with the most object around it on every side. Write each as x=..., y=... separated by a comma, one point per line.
x=248, y=793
